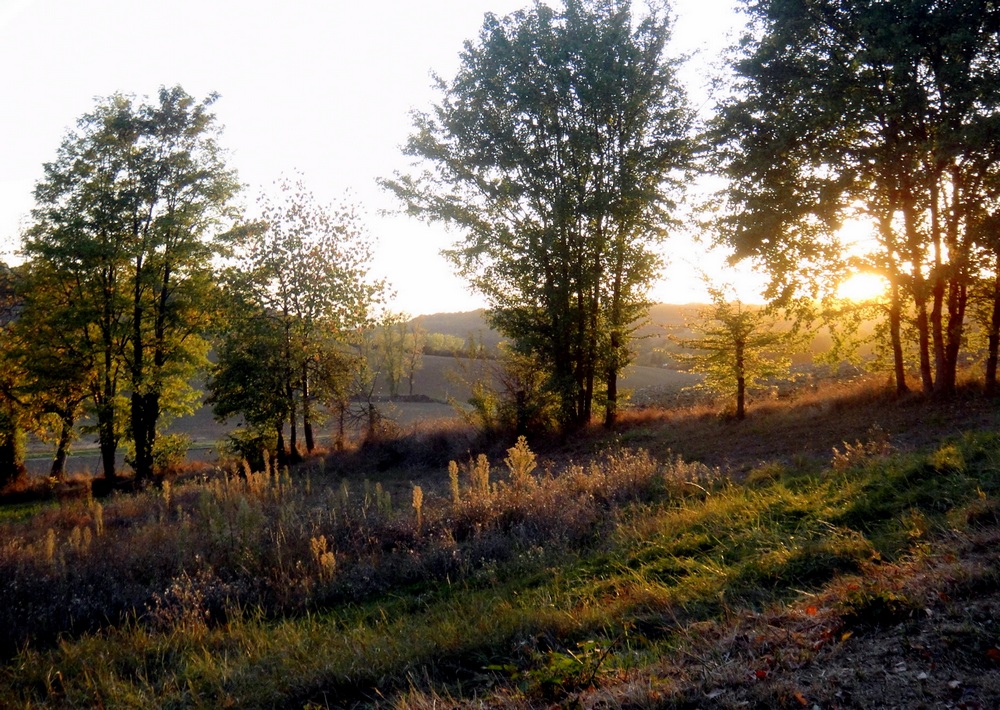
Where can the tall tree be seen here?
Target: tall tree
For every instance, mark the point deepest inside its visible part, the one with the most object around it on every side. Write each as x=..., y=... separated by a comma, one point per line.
x=890, y=107
x=299, y=284
x=555, y=150
x=11, y=375
x=127, y=218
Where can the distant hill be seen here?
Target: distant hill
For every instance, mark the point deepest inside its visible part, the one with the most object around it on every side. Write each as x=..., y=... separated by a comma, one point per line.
x=461, y=325
x=663, y=318
x=650, y=343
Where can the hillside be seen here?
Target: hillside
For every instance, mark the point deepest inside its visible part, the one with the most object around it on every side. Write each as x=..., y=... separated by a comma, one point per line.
x=663, y=318
x=681, y=561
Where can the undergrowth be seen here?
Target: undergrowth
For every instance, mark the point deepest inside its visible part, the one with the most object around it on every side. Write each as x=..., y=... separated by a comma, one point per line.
x=531, y=581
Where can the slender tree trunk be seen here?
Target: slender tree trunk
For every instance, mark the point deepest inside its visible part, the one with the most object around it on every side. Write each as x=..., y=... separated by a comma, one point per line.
x=107, y=439
x=307, y=427
x=741, y=383
x=896, y=339
x=11, y=454
x=957, y=301
x=994, y=335
x=614, y=361
x=924, y=340
x=957, y=283
x=919, y=292
x=341, y=443
x=58, y=470
x=142, y=435
x=941, y=380
x=282, y=453
x=611, y=408
x=293, y=447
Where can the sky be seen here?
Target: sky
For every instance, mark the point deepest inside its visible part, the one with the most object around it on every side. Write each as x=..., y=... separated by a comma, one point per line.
x=320, y=87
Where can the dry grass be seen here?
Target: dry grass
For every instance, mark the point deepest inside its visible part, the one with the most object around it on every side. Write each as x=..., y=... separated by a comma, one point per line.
x=603, y=571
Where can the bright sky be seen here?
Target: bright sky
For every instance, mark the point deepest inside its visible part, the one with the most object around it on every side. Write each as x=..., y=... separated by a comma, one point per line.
x=323, y=87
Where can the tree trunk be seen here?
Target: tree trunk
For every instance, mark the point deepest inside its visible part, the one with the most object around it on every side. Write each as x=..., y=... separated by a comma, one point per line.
x=924, y=341
x=994, y=334
x=611, y=408
x=282, y=454
x=11, y=452
x=916, y=257
x=341, y=443
x=58, y=470
x=145, y=411
x=307, y=427
x=107, y=438
x=895, y=336
x=957, y=301
x=941, y=380
x=741, y=383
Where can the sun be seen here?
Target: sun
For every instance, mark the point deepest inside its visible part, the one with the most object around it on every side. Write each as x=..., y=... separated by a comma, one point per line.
x=862, y=286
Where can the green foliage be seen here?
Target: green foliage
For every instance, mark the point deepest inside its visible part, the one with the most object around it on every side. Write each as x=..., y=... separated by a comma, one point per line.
x=125, y=229
x=510, y=394
x=170, y=453
x=740, y=349
x=252, y=445
x=880, y=111
x=556, y=150
x=297, y=294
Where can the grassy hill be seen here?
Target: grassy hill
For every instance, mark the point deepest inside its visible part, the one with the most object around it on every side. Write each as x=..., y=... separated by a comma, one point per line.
x=835, y=550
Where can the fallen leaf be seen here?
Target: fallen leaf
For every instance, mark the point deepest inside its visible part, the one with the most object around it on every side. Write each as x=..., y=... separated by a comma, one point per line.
x=846, y=635
x=811, y=610
x=761, y=674
x=801, y=699
x=954, y=684
x=994, y=655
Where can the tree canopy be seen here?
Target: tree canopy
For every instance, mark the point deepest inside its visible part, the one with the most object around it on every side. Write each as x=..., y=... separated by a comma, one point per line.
x=124, y=231
x=556, y=151
x=297, y=292
x=884, y=109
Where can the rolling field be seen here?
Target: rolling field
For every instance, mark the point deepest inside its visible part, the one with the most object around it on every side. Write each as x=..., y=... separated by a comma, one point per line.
x=442, y=380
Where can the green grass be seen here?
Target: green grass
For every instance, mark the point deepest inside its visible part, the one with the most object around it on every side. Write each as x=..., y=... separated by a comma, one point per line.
x=547, y=617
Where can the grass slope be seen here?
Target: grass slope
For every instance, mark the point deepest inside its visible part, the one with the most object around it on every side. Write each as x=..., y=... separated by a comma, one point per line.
x=605, y=572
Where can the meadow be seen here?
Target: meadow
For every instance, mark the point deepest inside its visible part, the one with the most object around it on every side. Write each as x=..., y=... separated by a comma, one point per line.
x=837, y=549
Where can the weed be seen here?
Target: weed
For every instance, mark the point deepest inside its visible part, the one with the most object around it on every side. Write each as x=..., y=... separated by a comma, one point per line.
x=869, y=607
x=859, y=453
x=456, y=495
x=520, y=463
x=418, y=506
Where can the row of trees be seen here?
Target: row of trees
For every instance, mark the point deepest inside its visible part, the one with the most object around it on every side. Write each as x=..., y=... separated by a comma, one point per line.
x=558, y=150
x=137, y=261
x=558, y=146
x=887, y=111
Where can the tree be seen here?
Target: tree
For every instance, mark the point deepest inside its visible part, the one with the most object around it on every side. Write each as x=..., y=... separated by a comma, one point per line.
x=401, y=342
x=54, y=362
x=555, y=150
x=738, y=347
x=890, y=108
x=298, y=289
x=11, y=424
x=413, y=356
x=126, y=223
